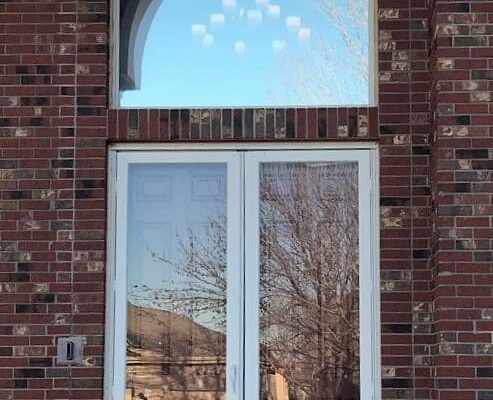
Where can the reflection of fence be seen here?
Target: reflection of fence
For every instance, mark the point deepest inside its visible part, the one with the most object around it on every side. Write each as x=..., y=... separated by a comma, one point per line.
x=157, y=377
x=176, y=361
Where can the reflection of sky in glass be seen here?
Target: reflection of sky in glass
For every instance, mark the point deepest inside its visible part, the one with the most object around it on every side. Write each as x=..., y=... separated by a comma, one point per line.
x=165, y=203
x=255, y=52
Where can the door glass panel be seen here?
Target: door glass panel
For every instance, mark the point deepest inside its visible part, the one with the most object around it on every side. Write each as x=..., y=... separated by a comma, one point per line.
x=309, y=291
x=176, y=330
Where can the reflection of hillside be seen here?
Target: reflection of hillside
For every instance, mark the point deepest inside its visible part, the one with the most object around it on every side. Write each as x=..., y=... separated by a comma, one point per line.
x=171, y=357
x=171, y=333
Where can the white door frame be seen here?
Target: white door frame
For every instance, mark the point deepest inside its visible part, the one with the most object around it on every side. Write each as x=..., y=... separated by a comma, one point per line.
x=368, y=275
x=116, y=319
x=121, y=155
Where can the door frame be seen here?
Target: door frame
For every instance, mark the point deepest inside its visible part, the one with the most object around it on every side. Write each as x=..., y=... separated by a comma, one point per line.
x=367, y=275
x=117, y=290
x=148, y=153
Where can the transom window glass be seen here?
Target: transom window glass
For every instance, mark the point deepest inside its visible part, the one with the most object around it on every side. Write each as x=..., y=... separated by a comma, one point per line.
x=213, y=53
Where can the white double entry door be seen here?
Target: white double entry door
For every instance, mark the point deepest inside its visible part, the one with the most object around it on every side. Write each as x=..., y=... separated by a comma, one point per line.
x=242, y=274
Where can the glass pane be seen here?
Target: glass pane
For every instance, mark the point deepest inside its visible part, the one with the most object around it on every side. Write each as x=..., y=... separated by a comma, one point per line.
x=183, y=53
x=309, y=301
x=176, y=333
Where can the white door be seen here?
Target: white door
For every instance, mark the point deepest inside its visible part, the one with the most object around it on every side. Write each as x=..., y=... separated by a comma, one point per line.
x=177, y=278
x=243, y=275
x=309, y=276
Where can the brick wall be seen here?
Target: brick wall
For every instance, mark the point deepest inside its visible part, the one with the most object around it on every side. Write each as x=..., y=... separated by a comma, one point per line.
x=405, y=203
x=436, y=190
x=462, y=155
x=53, y=90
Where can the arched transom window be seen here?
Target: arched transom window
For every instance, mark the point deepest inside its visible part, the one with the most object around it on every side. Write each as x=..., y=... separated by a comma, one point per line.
x=189, y=53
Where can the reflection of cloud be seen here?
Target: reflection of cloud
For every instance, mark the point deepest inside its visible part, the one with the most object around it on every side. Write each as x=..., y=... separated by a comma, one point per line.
x=254, y=16
x=262, y=3
x=229, y=4
x=304, y=34
x=274, y=11
x=279, y=45
x=240, y=47
x=208, y=40
x=198, y=30
x=217, y=19
x=293, y=23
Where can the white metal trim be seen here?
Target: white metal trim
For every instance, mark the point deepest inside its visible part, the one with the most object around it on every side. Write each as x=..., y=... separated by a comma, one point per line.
x=241, y=292
x=110, y=265
x=238, y=146
x=234, y=305
x=119, y=283
x=182, y=157
x=252, y=276
x=114, y=95
x=302, y=155
x=373, y=80
x=366, y=274
x=375, y=259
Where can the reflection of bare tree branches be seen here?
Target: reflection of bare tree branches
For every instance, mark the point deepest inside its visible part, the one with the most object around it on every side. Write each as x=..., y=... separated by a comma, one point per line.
x=350, y=19
x=200, y=291
x=309, y=279
x=309, y=276
x=180, y=327
x=338, y=67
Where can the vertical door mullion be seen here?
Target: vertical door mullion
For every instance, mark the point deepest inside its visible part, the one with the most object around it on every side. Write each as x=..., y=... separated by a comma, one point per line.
x=234, y=285
x=252, y=277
